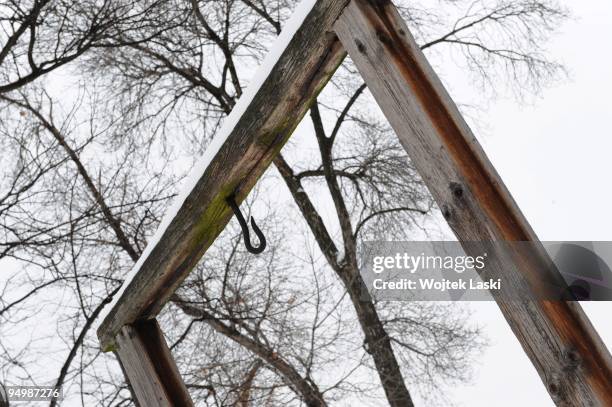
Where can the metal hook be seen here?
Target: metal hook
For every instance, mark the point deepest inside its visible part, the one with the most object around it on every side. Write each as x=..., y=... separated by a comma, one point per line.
x=231, y=201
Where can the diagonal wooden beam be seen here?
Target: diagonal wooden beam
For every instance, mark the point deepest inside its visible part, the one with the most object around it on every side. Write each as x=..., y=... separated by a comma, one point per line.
x=565, y=349
x=149, y=367
x=301, y=62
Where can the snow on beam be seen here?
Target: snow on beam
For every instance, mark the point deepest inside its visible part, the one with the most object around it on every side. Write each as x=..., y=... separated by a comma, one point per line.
x=302, y=60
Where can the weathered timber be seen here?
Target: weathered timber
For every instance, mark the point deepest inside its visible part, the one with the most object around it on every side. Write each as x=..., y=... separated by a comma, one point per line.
x=149, y=367
x=565, y=349
x=303, y=69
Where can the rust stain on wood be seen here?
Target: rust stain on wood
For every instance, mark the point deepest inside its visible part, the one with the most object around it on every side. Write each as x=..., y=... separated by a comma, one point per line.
x=488, y=194
x=481, y=183
x=575, y=345
x=581, y=352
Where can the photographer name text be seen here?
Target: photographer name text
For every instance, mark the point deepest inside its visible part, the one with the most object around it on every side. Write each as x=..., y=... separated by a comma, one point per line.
x=436, y=285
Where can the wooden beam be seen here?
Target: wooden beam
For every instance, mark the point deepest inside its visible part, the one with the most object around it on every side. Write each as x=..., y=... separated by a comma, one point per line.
x=302, y=70
x=565, y=349
x=149, y=367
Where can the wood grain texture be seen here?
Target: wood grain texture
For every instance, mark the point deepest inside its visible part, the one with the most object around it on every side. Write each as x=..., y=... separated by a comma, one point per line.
x=149, y=367
x=301, y=72
x=565, y=349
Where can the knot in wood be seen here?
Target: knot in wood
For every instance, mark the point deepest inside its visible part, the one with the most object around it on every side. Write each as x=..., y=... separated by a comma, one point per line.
x=572, y=359
x=447, y=212
x=361, y=47
x=383, y=37
x=456, y=189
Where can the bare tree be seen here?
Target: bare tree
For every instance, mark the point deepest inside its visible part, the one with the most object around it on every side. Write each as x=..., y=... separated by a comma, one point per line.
x=89, y=175
x=40, y=36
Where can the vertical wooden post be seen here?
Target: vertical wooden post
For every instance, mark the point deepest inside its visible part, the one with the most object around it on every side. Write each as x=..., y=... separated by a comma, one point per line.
x=149, y=367
x=565, y=349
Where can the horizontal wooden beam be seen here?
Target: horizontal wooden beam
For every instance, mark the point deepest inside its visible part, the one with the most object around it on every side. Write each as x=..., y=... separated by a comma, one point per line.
x=149, y=366
x=252, y=135
x=565, y=349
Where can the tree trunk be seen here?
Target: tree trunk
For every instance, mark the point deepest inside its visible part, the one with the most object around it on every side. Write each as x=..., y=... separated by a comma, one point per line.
x=377, y=341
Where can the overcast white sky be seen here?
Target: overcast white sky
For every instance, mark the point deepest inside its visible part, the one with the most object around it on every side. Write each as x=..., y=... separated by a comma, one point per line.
x=554, y=156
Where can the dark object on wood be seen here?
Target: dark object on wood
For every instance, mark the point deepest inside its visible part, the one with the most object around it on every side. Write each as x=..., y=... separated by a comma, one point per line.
x=303, y=69
x=231, y=201
x=567, y=352
x=565, y=349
